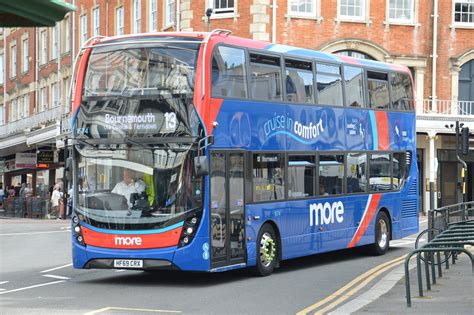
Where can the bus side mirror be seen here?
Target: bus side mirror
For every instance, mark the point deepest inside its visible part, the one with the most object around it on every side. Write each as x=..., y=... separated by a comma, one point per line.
x=201, y=165
x=68, y=169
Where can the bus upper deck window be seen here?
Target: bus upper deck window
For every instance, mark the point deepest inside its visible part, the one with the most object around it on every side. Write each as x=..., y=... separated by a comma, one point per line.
x=329, y=85
x=402, y=92
x=354, y=84
x=378, y=90
x=265, y=77
x=229, y=78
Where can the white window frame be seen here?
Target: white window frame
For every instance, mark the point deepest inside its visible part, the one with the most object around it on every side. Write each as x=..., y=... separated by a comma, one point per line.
x=83, y=29
x=412, y=9
x=54, y=95
x=96, y=21
x=137, y=16
x=2, y=70
x=44, y=47
x=67, y=35
x=54, y=42
x=26, y=105
x=315, y=12
x=462, y=24
x=226, y=12
x=13, y=110
x=43, y=99
x=13, y=61
x=169, y=15
x=365, y=10
x=119, y=18
x=153, y=16
x=26, y=55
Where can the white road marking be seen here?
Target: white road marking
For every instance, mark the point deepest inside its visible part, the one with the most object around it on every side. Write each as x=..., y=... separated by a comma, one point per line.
x=130, y=310
x=423, y=221
x=56, y=268
x=3, y=282
x=57, y=277
x=32, y=233
x=33, y=286
x=2, y=289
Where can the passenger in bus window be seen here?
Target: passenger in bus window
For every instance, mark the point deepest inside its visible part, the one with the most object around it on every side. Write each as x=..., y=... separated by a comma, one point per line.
x=129, y=185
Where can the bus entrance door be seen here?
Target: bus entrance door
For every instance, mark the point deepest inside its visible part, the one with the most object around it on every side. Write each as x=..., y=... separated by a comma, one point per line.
x=227, y=209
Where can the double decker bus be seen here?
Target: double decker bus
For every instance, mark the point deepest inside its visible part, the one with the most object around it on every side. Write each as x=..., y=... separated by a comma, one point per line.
x=209, y=152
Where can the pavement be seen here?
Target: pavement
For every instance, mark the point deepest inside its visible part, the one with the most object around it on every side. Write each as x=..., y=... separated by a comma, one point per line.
x=453, y=293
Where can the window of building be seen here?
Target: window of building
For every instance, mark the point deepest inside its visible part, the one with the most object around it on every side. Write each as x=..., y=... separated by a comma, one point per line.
x=26, y=55
x=402, y=91
x=268, y=176
x=355, y=54
x=222, y=6
x=329, y=84
x=2, y=114
x=265, y=77
x=229, y=77
x=13, y=61
x=153, y=16
x=302, y=7
x=120, y=21
x=356, y=172
x=54, y=47
x=464, y=12
x=401, y=11
x=43, y=97
x=137, y=16
x=169, y=12
x=54, y=95
x=331, y=174
x=83, y=29
x=67, y=35
x=299, y=82
x=301, y=176
x=20, y=108
x=2, y=71
x=352, y=10
x=96, y=21
x=13, y=110
x=26, y=105
x=379, y=172
x=44, y=47
x=399, y=170
x=354, y=85
x=378, y=90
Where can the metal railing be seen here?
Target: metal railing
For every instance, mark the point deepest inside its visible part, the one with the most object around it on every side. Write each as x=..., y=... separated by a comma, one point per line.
x=445, y=107
x=450, y=228
x=33, y=121
x=27, y=207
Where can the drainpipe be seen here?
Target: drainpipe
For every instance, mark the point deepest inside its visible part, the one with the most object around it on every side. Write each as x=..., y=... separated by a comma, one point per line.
x=274, y=14
x=178, y=15
x=434, y=106
x=4, y=75
x=73, y=56
x=36, y=69
x=107, y=18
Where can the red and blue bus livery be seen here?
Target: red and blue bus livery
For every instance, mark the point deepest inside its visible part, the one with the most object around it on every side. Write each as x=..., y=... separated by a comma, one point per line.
x=208, y=152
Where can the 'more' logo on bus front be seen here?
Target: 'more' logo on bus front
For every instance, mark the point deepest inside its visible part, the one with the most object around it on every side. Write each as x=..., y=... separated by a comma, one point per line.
x=126, y=240
x=326, y=213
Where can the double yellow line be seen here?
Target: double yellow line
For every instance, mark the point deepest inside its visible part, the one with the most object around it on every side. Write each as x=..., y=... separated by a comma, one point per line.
x=346, y=292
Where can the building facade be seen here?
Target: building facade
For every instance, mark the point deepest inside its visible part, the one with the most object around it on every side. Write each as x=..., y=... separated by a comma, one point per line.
x=433, y=38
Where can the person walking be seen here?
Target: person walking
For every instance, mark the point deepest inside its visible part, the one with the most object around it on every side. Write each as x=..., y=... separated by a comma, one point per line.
x=55, y=201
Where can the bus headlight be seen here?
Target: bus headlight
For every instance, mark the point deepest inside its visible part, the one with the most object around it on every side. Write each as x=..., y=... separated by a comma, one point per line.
x=190, y=227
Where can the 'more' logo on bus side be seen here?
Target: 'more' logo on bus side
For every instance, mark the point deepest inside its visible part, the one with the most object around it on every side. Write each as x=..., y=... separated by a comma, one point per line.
x=326, y=213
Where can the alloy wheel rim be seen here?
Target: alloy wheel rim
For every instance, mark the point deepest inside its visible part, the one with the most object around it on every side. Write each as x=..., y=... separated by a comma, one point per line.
x=267, y=249
x=383, y=233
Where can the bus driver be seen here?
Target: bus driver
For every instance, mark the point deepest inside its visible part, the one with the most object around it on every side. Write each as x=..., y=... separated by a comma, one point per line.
x=129, y=185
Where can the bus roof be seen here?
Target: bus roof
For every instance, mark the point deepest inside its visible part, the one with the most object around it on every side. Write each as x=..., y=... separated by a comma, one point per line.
x=276, y=48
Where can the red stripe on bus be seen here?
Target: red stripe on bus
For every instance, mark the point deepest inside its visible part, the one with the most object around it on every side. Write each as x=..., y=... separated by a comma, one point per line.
x=382, y=130
x=365, y=222
x=131, y=241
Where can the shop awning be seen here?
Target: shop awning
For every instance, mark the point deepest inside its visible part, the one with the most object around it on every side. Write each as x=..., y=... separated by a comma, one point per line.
x=25, y=13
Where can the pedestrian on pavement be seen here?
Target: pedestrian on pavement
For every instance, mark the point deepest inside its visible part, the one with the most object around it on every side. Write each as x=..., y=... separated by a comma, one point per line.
x=55, y=201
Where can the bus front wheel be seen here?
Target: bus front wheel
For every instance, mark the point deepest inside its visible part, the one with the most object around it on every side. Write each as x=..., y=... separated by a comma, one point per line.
x=382, y=235
x=267, y=251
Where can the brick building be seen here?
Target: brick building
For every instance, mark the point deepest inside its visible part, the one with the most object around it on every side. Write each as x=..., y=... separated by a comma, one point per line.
x=432, y=37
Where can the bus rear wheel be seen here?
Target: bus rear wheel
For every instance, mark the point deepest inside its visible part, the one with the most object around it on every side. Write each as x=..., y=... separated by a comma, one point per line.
x=382, y=235
x=267, y=251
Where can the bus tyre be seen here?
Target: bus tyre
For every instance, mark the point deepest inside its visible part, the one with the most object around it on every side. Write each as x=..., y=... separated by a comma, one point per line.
x=267, y=251
x=382, y=235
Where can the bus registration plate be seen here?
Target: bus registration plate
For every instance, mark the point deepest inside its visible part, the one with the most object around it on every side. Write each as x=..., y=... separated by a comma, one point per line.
x=128, y=263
